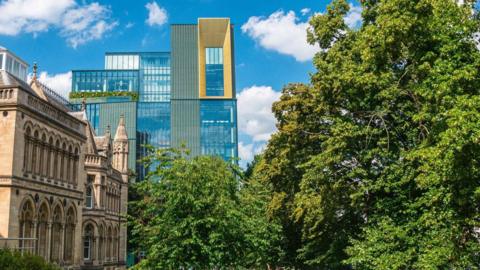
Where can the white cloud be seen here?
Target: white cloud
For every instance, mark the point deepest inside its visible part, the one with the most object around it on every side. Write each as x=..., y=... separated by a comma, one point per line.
x=305, y=11
x=60, y=83
x=354, y=17
x=255, y=112
x=156, y=14
x=245, y=152
x=31, y=16
x=78, y=23
x=129, y=25
x=86, y=23
x=281, y=32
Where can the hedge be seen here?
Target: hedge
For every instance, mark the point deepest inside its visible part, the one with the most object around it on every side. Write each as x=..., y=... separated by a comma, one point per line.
x=77, y=95
x=13, y=260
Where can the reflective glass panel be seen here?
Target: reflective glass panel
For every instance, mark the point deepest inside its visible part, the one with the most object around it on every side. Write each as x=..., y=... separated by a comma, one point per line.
x=218, y=128
x=153, y=128
x=155, y=77
x=105, y=80
x=214, y=71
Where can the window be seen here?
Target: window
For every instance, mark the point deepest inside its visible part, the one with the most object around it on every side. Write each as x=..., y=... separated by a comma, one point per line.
x=218, y=132
x=8, y=64
x=87, y=242
x=1, y=61
x=89, y=197
x=214, y=71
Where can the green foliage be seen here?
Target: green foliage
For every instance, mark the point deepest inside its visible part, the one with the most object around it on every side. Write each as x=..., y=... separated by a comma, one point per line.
x=376, y=165
x=81, y=95
x=248, y=173
x=193, y=213
x=10, y=260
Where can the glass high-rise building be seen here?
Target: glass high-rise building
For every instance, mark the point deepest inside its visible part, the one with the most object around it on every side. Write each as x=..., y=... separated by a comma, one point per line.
x=169, y=99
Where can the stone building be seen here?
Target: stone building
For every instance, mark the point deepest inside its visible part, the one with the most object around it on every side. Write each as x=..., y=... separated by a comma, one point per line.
x=63, y=189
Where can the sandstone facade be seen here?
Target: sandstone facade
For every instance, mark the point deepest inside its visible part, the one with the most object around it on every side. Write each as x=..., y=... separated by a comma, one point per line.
x=63, y=189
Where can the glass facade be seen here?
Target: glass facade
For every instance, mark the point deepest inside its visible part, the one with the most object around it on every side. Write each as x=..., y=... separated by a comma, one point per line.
x=13, y=66
x=174, y=106
x=121, y=61
x=218, y=128
x=153, y=128
x=105, y=80
x=155, y=77
x=93, y=115
x=214, y=71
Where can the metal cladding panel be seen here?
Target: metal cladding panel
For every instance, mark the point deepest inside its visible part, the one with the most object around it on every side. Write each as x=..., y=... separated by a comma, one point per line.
x=234, y=79
x=110, y=115
x=186, y=125
x=184, y=39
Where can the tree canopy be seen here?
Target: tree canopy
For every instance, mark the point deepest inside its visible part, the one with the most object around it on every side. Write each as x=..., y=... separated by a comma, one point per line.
x=376, y=163
x=195, y=213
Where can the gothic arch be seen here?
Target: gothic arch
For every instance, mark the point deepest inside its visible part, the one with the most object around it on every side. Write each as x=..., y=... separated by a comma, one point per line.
x=70, y=224
x=57, y=232
x=26, y=220
x=89, y=233
x=28, y=124
x=43, y=221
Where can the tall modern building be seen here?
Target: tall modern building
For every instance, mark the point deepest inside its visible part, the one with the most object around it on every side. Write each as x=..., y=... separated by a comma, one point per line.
x=169, y=99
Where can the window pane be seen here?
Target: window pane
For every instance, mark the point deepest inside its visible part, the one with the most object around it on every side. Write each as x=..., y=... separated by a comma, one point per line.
x=214, y=72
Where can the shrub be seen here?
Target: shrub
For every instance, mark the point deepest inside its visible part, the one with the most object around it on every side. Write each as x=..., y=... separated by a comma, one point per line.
x=12, y=260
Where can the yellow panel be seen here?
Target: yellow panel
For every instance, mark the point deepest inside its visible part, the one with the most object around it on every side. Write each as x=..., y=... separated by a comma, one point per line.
x=215, y=33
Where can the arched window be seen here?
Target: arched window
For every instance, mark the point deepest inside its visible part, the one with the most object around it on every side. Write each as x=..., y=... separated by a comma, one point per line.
x=88, y=235
x=69, y=165
x=57, y=231
x=75, y=167
x=69, y=236
x=34, y=153
x=63, y=162
x=49, y=158
x=56, y=171
x=42, y=241
x=41, y=155
x=26, y=154
x=26, y=227
x=89, y=197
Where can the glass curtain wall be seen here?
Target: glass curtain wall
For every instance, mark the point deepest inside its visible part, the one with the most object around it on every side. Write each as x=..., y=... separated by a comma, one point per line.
x=121, y=61
x=104, y=81
x=218, y=131
x=214, y=71
x=153, y=110
x=93, y=115
x=155, y=77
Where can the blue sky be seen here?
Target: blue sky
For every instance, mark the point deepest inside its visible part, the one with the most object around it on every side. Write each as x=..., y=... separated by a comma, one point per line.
x=270, y=46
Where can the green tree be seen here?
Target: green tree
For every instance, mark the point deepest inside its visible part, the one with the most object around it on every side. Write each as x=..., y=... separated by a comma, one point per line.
x=296, y=140
x=248, y=173
x=194, y=213
x=376, y=164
